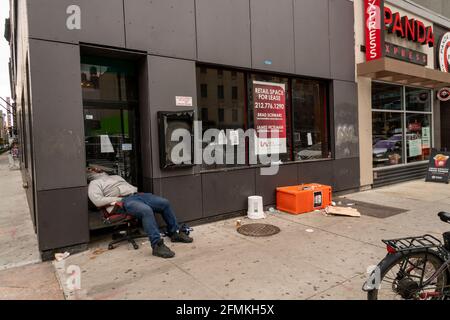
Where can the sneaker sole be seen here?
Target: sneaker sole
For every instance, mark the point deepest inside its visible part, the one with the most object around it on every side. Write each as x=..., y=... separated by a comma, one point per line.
x=164, y=257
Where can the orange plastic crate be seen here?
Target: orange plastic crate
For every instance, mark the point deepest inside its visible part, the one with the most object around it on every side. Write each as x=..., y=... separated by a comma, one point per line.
x=303, y=198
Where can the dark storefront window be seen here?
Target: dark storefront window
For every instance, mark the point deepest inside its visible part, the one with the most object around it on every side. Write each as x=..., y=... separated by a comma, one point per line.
x=418, y=99
x=110, y=100
x=204, y=90
x=309, y=106
x=231, y=107
x=224, y=110
x=386, y=97
x=402, y=124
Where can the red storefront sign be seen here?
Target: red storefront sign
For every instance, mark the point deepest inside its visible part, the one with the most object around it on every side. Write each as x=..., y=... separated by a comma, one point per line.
x=412, y=29
x=379, y=19
x=373, y=29
x=270, y=117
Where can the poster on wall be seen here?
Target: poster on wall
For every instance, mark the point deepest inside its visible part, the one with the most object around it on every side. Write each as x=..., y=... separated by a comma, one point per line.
x=439, y=167
x=426, y=138
x=415, y=147
x=270, y=117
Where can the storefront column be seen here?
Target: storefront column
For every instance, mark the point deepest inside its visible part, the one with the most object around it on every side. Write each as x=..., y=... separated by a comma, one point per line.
x=365, y=130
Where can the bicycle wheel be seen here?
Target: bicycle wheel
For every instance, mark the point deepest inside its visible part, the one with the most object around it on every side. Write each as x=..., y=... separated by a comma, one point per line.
x=402, y=276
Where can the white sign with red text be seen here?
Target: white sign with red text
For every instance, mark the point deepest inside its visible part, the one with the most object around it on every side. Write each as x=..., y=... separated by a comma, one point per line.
x=270, y=117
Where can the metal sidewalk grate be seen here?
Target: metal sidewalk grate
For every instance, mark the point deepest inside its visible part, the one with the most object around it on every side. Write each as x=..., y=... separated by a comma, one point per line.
x=258, y=230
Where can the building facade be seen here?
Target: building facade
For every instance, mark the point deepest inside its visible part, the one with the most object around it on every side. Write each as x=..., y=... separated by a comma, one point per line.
x=400, y=69
x=3, y=135
x=90, y=81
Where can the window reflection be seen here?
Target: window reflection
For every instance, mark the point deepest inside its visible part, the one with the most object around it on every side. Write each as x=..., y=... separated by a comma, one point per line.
x=226, y=101
x=387, y=139
x=386, y=96
x=311, y=140
x=418, y=99
x=221, y=103
x=403, y=136
x=107, y=80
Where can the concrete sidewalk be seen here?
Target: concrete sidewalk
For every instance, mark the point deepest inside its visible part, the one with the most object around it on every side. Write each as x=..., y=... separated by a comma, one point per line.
x=328, y=263
x=22, y=276
x=313, y=257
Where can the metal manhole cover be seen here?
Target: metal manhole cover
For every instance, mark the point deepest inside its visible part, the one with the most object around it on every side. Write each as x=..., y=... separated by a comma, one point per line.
x=258, y=230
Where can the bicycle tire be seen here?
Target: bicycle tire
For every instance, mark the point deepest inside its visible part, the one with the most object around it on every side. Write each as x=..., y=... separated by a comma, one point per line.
x=392, y=260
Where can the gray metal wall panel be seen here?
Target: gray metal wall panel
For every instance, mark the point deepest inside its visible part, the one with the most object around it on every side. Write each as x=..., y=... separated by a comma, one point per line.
x=147, y=185
x=345, y=119
x=169, y=78
x=226, y=192
x=266, y=185
x=223, y=32
x=272, y=29
x=316, y=172
x=312, y=43
x=58, y=115
x=63, y=218
x=101, y=23
x=163, y=27
x=346, y=174
x=145, y=119
x=184, y=194
x=342, y=40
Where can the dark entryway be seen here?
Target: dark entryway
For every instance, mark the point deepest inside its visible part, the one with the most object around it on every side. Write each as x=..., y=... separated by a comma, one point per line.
x=445, y=125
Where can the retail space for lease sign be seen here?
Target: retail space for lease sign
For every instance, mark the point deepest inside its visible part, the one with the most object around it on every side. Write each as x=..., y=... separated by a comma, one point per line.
x=270, y=117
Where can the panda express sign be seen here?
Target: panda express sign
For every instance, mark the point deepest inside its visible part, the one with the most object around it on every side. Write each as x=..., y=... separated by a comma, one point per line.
x=380, y=20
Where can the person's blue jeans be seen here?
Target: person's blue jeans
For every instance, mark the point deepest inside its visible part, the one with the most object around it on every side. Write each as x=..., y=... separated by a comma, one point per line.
x=143, y=206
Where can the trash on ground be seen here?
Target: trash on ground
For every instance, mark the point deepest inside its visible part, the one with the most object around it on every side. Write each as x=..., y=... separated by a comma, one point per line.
x=99, y=251
x=61, y=256
x=309, y=230
x=238, y=223
x=333, y=203
x=343, y=211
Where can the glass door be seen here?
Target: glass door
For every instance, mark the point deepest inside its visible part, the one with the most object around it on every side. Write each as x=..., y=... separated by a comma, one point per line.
x=110, y=141
x=110, y=100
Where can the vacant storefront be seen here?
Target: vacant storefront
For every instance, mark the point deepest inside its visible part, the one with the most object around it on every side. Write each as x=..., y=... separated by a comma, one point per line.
x=398, y=78
x=100, y=94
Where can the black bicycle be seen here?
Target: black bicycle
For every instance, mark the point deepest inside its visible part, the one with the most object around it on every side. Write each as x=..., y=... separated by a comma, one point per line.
x=415, y=268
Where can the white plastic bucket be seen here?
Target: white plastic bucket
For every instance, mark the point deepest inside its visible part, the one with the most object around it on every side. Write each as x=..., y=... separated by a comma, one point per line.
x=255, y=208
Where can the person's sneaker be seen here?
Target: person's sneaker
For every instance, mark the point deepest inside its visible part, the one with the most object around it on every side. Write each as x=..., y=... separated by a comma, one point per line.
x=181, y=237
x=161, y=250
